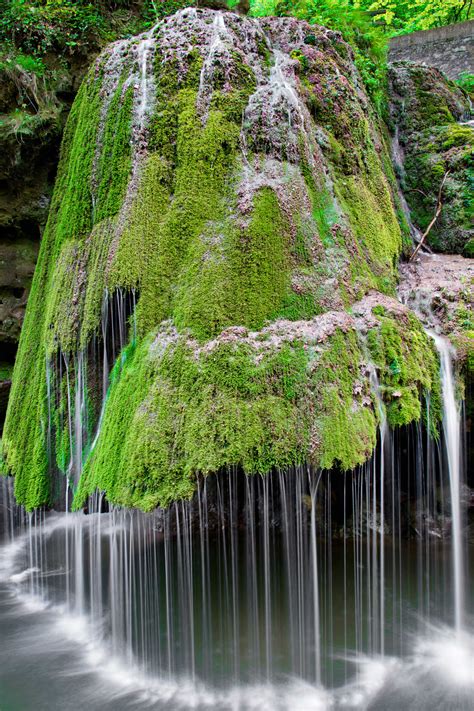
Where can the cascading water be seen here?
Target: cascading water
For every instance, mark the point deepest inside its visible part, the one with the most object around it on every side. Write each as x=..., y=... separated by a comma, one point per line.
x=256, y=586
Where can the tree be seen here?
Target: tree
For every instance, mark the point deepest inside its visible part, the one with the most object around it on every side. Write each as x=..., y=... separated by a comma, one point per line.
x=410, y=15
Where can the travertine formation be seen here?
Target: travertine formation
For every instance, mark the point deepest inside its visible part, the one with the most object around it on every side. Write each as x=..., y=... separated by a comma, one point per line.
x=216, y=283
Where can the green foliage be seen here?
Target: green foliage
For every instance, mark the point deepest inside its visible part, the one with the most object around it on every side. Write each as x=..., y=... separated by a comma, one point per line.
x=403, y=16
x=155, y=10
x=25, y=62
x=466, y=82
x=38, y=27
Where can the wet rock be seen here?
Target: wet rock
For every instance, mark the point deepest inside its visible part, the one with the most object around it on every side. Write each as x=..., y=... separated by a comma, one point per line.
x=440, y=289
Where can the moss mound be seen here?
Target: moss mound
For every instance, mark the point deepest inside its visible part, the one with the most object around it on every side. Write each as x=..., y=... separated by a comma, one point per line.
x=219, y=178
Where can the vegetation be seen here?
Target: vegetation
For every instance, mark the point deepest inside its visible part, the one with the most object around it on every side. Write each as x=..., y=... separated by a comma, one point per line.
x=389, y=16
x=39, y=26
x=403, y=16
x=409, y=367
x=175, y=410
x=466, y=82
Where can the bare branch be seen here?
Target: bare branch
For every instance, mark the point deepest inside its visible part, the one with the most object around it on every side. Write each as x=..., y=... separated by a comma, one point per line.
x=439, y=207
x=417, y=190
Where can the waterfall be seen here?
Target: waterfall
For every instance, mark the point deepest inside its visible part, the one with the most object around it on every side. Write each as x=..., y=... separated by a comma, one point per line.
x=218, y=52
x=295, y=586
x=384, y=435
x=452, y=433
x=258, y=579
x=144, y=50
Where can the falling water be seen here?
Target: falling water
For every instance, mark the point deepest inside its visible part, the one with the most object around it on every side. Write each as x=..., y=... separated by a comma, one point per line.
x=217, y=55
x=384, y=435
x=144, y=52
x=452, y=427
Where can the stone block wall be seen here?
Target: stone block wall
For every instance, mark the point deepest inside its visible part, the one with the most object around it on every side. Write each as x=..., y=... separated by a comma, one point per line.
x=450, y=48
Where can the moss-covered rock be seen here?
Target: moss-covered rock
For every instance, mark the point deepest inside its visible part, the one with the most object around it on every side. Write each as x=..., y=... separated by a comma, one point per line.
x=430, y=114
x=209, y=213
x=442, y=291
x=290, y=393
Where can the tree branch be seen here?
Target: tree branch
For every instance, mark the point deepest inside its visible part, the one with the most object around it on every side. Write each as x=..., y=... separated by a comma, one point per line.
x=417, y=190
x=439, y=207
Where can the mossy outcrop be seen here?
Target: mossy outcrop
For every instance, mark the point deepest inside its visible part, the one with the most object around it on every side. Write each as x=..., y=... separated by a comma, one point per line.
x=294, y=392
x=431, y=119
x=223, y=198
x=34, y=102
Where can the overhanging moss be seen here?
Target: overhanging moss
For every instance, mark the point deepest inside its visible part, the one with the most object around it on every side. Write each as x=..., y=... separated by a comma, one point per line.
x=180, y=410
x=177, y=409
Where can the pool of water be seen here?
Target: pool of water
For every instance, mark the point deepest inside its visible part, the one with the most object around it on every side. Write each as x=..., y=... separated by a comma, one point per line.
x=104, y=612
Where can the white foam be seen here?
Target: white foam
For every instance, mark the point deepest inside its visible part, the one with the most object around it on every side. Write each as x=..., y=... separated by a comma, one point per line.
x=449, y=654
x=24, y=575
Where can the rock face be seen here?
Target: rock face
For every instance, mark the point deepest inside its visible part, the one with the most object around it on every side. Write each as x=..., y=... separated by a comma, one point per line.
x=435, y=135
x=224, y=196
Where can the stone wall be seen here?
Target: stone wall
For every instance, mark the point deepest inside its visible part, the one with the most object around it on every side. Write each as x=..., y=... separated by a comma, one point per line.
x=450, y=48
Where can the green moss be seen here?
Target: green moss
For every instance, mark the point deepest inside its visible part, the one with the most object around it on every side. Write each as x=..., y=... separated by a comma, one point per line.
x=433, y=109
x=367, y=200
x=3, y=466
x=345, y=429
x=409, y=369
x=6, y=371
x=173, y=412
x=115, y=157
x=323, y=209
x=170, y=415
